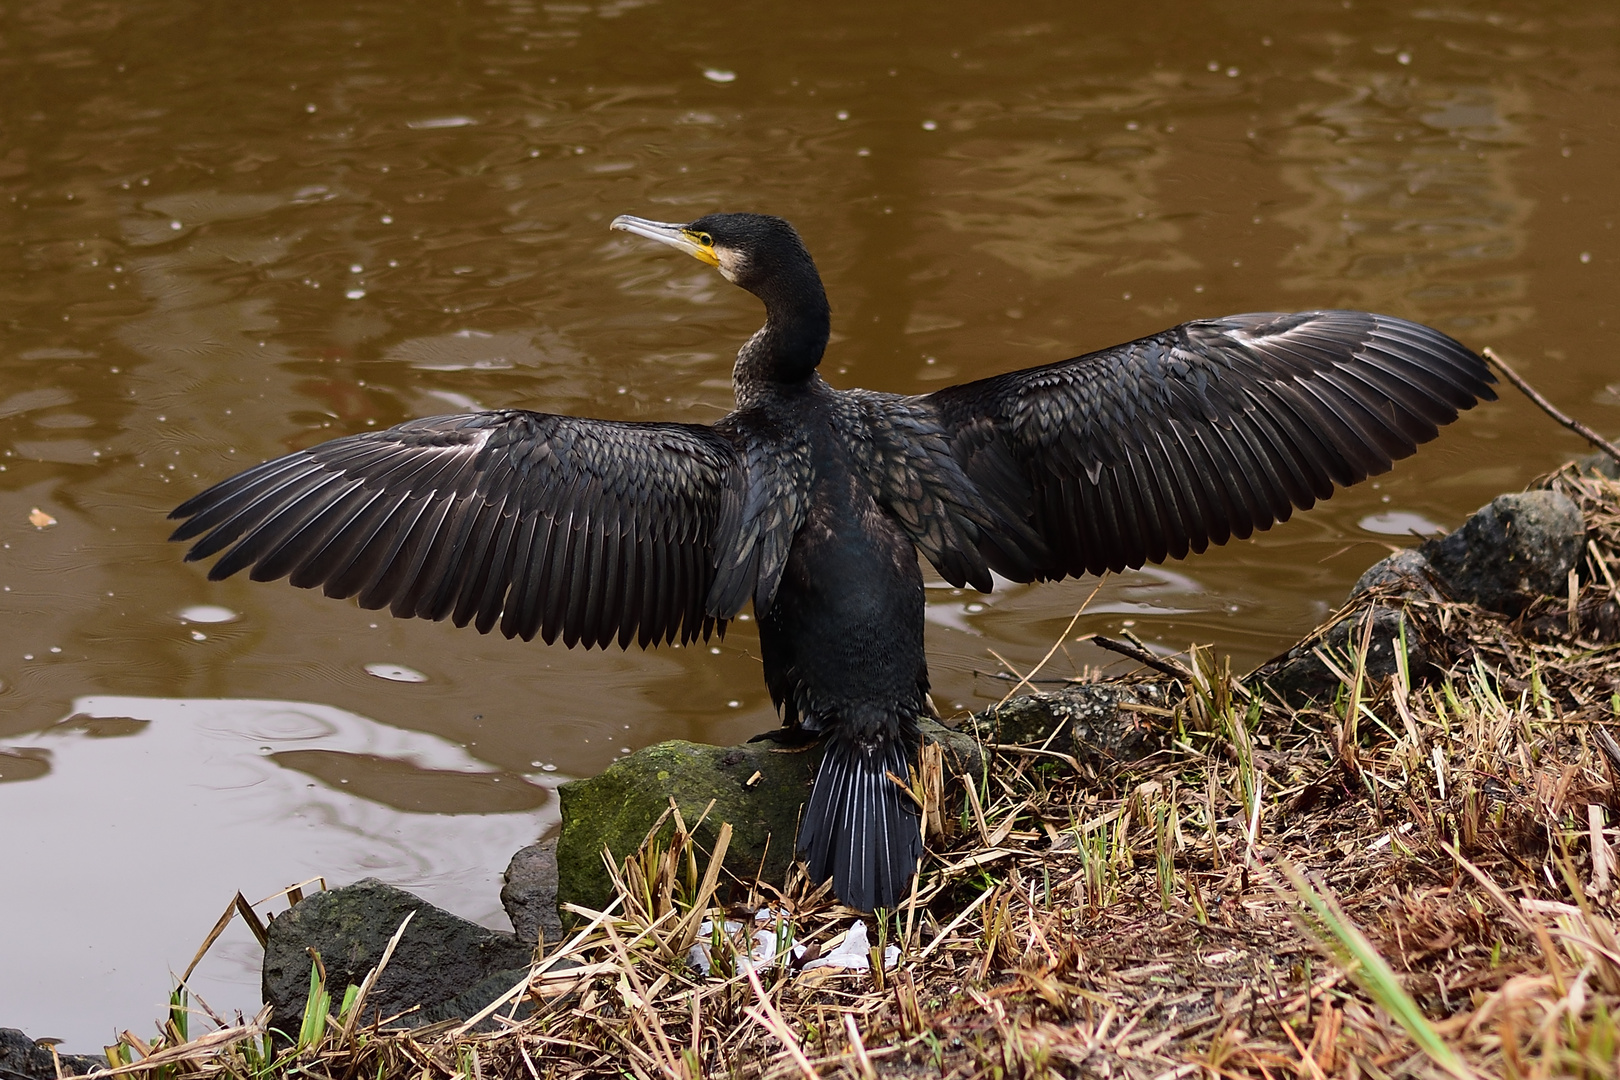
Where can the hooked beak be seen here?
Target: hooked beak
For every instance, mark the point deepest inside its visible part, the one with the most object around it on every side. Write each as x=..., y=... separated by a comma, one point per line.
x=676, y=236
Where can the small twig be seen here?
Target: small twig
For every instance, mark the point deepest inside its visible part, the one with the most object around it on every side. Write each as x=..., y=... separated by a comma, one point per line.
x=954, y=923
x=1067, y=759
x=1549, y=408
x=768, y=1017
x=353, y=1019
x=213, y=936
x=858, y=1048
x=1007, y=676
x=1610, y=748
x=1515, y=914
x=1024, y=680
x=198, y=1049
x=539, y=969
x=1602, y=859
x=1141, y=656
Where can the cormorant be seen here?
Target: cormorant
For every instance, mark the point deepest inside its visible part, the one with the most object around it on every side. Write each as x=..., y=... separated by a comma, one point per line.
x=813, y=503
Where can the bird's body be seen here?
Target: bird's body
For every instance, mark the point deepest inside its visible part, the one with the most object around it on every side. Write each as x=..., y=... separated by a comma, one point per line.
x=813, y=502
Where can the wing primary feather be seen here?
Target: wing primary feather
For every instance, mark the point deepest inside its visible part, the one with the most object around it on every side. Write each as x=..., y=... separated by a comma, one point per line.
x=496, y=575
x=584, y=567
x=560, y=561
x=273, y=523
x=407, y=575
x=362, y=511
x=350, y=568
x=449, y=566
x=553, y=557
x=1261, y=475
x=523, y=572
x=1208, y=508
x=391, y=540
x=314, y=519
x=492, y=518
x=630, y=593
x=606, y=602
x=214, y=509
x=257, y=510
x=1283, y=458
x=1148, y=506
x=1180, y=523
x=661, y=586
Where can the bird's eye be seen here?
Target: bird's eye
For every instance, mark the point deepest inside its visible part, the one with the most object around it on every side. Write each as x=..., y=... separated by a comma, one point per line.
x=705, y=239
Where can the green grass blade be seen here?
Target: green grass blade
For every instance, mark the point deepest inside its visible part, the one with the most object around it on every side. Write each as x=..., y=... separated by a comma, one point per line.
x=316, y=1008
x=1362, y=963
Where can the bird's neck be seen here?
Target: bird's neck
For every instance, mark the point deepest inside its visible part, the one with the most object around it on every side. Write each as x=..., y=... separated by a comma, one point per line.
x=785, y=351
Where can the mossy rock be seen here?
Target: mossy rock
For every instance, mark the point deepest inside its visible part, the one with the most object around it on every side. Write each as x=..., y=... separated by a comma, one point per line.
x=615, y=810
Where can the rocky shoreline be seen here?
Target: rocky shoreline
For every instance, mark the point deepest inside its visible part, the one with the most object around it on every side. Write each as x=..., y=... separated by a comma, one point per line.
x=1515, y=557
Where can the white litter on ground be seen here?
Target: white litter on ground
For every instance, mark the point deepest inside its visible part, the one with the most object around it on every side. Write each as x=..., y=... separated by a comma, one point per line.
x=773, y=941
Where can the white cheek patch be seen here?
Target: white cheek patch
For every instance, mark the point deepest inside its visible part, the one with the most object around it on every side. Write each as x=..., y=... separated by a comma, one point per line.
x=731, y=263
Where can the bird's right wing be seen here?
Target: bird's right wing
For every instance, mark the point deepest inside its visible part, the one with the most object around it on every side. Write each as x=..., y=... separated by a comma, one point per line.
x=556, y=525
x=1209, y=430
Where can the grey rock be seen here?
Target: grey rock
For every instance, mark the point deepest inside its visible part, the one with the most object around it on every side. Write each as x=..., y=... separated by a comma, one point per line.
x=21, y=1058
x=1514, y=549
x=1090, y=721
x=529, y=894
x=1600, y=463
x=1406, y=572
x=1299, y=677
x=617, y=809
x=473, y=1001
x=441, y=958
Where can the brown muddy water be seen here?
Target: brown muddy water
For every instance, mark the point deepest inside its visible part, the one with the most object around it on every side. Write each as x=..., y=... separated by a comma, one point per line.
x=228, y=231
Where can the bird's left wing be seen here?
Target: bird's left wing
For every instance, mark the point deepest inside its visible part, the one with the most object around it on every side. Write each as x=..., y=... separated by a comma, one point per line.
x=1212, y=429
x=589, y=529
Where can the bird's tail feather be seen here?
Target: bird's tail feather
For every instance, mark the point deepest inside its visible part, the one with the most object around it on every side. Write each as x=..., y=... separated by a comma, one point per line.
x=860, y=828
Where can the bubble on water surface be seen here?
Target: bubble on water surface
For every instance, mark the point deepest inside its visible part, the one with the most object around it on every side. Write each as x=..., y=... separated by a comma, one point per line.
x=208, y=613
x=440, y=122
x=1399, y=523
x=396, y=673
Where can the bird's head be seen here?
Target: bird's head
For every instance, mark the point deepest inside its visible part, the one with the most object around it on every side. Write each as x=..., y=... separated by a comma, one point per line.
x=754, y=251
x=764, y=255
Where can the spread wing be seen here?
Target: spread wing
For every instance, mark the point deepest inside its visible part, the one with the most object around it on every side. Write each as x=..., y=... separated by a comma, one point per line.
x=555, y=525
x=1213, y=429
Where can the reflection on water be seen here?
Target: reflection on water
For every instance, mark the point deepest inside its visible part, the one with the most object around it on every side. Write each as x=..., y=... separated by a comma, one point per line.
x=231, y=232
x=151, y=800
x=1411, y=198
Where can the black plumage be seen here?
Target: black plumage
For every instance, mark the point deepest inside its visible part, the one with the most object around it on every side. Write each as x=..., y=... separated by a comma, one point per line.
x=812, y=503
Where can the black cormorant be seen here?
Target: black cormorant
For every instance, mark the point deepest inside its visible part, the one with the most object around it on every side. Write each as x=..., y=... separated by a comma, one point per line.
x=813, y=502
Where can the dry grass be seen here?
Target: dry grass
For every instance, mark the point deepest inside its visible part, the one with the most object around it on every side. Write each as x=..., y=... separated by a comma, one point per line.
x=1414, y=880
